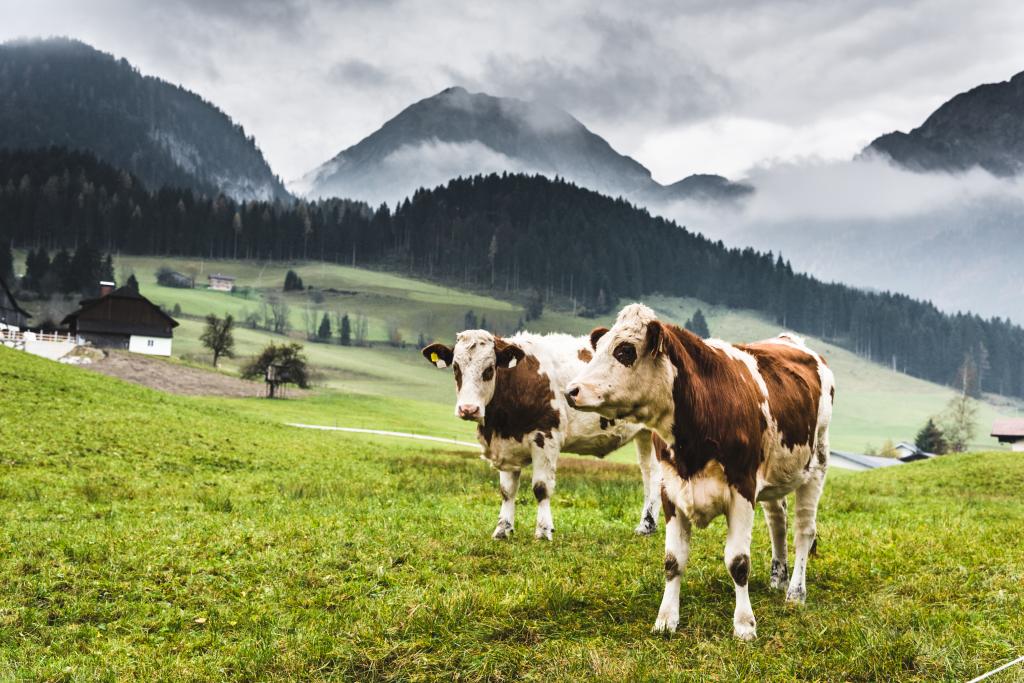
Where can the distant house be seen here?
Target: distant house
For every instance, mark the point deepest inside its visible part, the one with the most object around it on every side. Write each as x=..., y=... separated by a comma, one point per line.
x=123, y=319
x=222, y=283
x=1010, y=430
x=12, y=316
x=859, y=462
x=908, y=452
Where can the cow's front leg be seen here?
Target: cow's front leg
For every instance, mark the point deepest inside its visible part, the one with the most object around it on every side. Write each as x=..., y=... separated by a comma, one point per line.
x=545, y=460
x=651, y=473
x=804, y=532
x=737, y=560
x=775, y=517
x=677, y=554
x=507, y=517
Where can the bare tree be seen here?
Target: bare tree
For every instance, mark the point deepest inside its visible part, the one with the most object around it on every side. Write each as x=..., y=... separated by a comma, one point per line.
x=959, y=422
x=279, y=311
x=362, y=330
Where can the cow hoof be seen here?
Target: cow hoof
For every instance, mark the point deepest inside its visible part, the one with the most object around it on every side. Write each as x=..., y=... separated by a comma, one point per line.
x=745, y=632
x=796, y=596
x=643, y=529
x=665, y=625
x=543, y=534
x=502, y=532
x=780, y=575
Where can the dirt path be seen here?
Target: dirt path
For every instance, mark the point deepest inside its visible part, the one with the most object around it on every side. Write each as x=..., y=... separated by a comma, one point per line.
x=380, y=432
x=173, y=378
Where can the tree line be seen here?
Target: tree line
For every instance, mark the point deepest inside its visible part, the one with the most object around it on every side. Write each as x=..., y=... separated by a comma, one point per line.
x=525, y=237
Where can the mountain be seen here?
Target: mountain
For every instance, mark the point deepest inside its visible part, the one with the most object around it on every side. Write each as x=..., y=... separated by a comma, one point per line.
x=458, y=133
x=61, y=92
x=981, y=127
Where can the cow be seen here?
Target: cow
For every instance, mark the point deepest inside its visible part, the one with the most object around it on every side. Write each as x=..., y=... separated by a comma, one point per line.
x=514, y=389
x=741, y=424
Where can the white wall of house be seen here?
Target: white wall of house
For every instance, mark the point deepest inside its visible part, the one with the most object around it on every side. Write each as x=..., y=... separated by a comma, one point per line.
x=151, y=346
x=1018, y=446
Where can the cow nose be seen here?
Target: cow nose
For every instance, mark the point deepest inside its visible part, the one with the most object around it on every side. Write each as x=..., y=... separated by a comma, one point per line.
x=468, y=411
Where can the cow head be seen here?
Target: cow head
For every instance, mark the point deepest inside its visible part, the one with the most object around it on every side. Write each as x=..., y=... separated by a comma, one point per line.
x=629, y=369
x=477, y=356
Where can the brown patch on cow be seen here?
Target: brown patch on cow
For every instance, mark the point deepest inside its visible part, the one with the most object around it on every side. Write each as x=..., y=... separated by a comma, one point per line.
x=538, y=439
x=458, y=376
x=662, y=450
x=739, y=569
x=505, y=494
x=832, y=394
x=521, y=403
x=717, y=409
x=671, y=566
x=585, y=355
x=667, y=506
x=540, y=491
x=596, y=335
x=794, y=389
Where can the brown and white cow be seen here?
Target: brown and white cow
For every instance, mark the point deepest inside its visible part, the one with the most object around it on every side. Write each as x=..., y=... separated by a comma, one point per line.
x=743, y=423
x=514, y=389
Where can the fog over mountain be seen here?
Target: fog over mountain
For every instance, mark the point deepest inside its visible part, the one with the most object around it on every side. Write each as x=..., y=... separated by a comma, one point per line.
x=458, y=133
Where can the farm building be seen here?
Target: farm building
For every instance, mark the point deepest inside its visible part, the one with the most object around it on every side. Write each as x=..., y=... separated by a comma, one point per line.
x=1010, y=430
x=123, y=319
x=222, y=283
x=908, y=452
x=859, y=462
x=12, y=316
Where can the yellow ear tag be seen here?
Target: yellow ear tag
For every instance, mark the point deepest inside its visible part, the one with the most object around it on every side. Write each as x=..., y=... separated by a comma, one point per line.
x=433, y=357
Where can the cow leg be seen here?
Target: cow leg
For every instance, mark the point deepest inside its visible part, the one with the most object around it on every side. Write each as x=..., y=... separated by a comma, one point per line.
x=650, y=470
x=507, y=517
x=545, y=460
x=677, y=554
x=737, y=561
x=775, y=517
x=804, y=533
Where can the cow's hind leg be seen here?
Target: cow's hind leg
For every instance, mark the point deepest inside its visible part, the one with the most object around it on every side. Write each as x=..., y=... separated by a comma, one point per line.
x=804, y=533
x=650, y=470
x=507, y=517
x=737, y=561
x=775, y=517
x=677, y=554
x=545, y=461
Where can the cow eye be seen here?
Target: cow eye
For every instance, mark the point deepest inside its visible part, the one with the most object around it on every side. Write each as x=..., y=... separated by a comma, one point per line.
x=625, y=353
x=489, y=374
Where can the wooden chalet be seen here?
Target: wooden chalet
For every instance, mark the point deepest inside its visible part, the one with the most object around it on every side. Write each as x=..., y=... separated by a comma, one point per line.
x=123, y=319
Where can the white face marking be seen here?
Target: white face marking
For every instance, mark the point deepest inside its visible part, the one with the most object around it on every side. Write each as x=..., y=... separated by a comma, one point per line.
x=624, y=379
x=474, y=360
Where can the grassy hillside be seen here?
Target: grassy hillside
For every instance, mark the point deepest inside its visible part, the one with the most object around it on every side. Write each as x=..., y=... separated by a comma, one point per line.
x=148, y=536
x=873, y=403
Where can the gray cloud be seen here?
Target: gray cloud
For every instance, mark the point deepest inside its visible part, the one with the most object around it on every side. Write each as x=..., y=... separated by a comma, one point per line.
x=715, y=86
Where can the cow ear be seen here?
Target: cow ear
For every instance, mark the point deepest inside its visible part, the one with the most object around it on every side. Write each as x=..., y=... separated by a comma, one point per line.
x=655, y=343
x=439, y=354
x=507, y=355
x=596, y=335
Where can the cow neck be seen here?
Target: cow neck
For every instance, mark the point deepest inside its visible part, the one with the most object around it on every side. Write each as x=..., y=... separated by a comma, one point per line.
x=717, y=413
x=521, y=402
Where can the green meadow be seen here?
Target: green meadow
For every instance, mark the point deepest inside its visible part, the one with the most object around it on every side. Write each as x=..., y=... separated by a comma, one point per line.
x=873, y=403
x=153, y=537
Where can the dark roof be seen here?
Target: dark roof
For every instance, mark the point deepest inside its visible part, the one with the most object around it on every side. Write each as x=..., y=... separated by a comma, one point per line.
x=13, y=301
x=124, y=293
x=1009, y=426
x=219, y=276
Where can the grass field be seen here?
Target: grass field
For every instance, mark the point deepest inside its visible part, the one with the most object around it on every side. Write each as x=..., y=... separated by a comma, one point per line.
x=147, y=537
x=873, y=402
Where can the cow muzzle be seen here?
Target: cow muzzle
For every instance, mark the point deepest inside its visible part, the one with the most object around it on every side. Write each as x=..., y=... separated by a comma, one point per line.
x=469, y=411
x=582, y=397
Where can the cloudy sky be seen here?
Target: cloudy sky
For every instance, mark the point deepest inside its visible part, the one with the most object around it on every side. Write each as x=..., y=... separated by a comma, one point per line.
x=705, y=86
